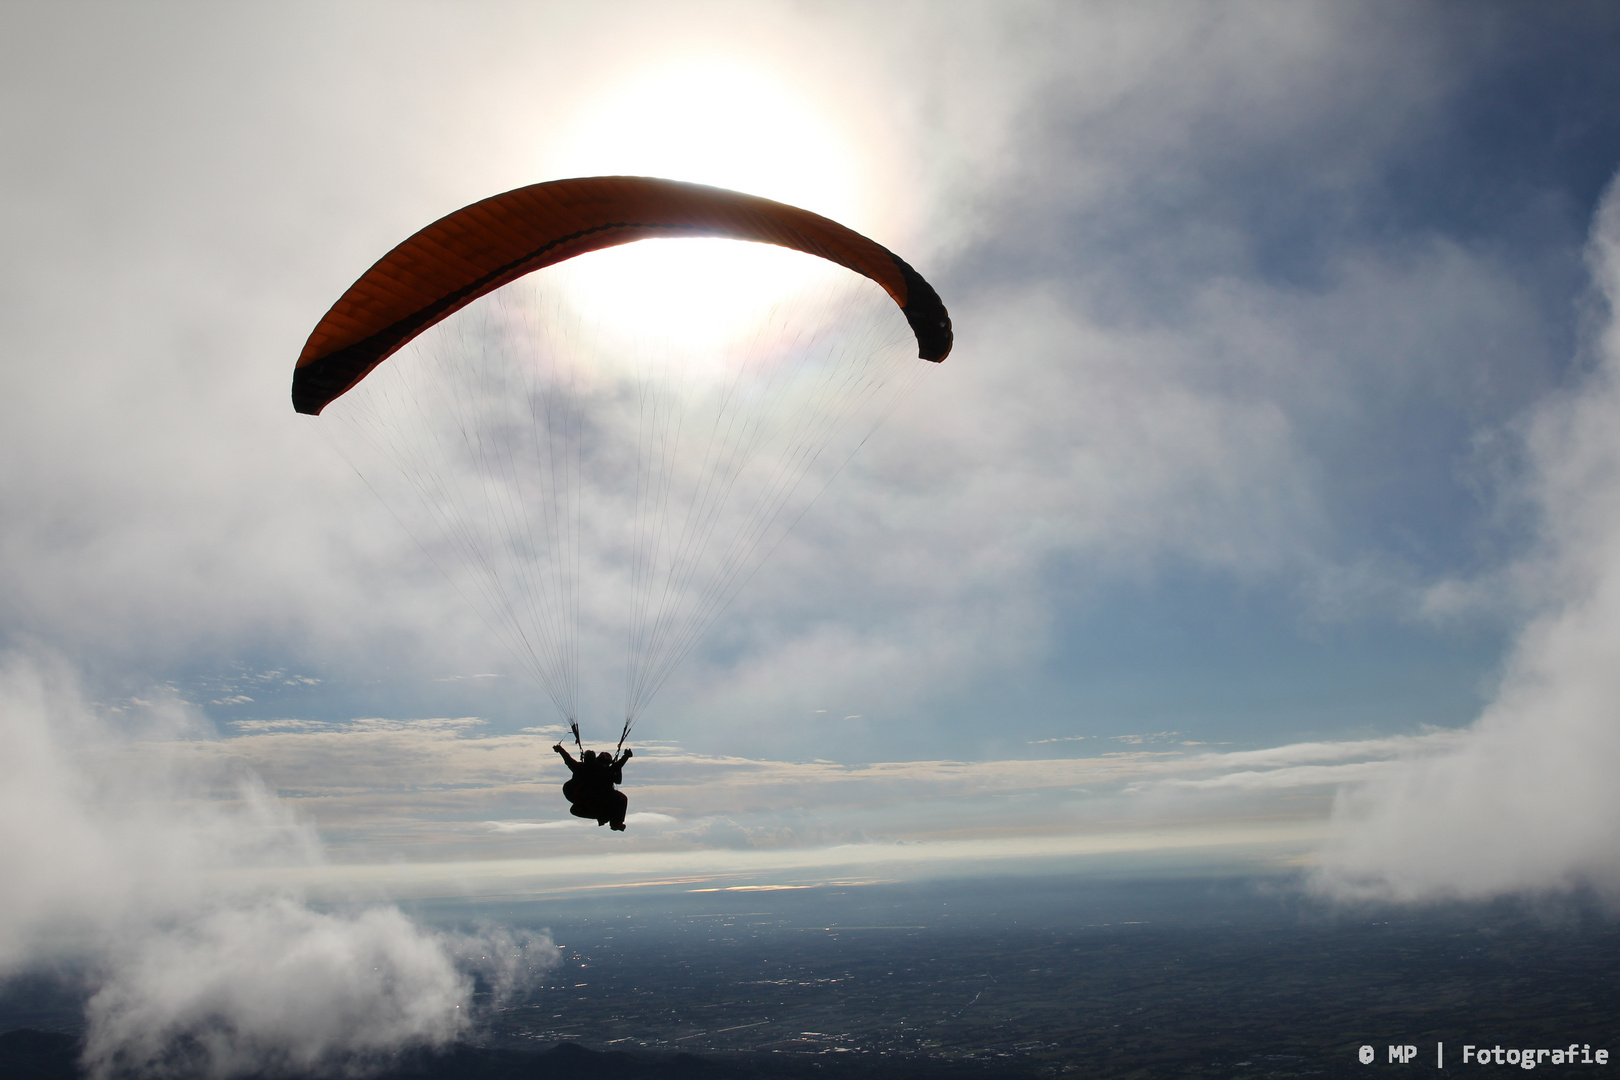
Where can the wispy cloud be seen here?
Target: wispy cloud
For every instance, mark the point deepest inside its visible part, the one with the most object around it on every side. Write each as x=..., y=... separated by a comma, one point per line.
x=641, y=818
x=423, y=791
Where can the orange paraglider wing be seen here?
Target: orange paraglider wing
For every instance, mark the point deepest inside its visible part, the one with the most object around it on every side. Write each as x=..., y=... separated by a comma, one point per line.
x=481, y=247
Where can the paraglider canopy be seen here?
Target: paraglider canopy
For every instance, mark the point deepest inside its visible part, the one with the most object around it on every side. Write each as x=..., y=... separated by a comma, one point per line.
x=481, y=247
x=591, y=480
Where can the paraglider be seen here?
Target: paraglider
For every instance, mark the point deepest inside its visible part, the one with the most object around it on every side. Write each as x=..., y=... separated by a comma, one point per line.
x=591, y=787
x=481, y=247
x=584, y=475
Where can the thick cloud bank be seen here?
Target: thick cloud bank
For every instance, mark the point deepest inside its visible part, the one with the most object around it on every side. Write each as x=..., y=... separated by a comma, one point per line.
x=321, y=987
x=1528, y=800
x=143, y=872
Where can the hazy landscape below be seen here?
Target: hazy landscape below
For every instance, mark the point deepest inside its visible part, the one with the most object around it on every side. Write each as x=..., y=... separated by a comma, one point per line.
x=1045, y=976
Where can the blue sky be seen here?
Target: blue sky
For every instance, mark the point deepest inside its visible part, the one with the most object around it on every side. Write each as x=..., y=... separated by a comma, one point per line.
x=1262, y=515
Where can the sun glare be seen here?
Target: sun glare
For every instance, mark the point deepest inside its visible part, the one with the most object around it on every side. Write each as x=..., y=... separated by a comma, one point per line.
x=693, y=296
x=715, y=120
x=711, y=120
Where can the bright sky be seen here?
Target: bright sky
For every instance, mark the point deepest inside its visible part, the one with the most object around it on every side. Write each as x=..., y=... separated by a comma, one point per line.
x=716, y=119
x=1263, y=515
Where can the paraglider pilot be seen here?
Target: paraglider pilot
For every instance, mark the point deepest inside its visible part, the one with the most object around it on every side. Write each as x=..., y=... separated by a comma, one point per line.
x=590, y=790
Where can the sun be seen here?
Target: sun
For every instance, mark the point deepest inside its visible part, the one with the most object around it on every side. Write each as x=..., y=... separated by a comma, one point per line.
x=711, y=120
x=722, y=121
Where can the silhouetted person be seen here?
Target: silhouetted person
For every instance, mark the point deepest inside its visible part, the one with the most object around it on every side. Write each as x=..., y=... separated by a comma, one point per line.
x=577, y=787
x=590, y=790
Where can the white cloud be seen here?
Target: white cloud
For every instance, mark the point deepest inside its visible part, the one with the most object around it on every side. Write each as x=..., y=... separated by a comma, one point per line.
x=1525, y=799
x=274, y=987
x=144, y=864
